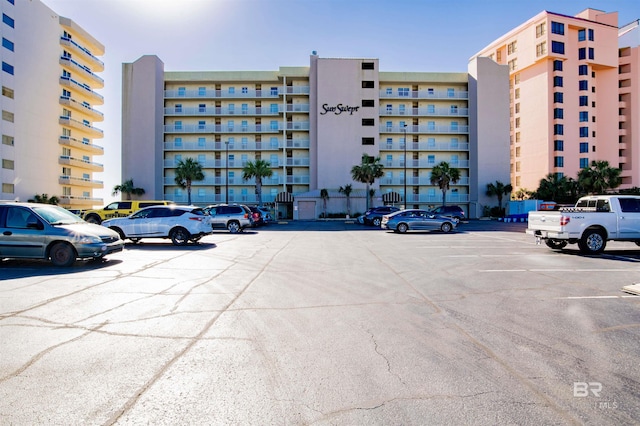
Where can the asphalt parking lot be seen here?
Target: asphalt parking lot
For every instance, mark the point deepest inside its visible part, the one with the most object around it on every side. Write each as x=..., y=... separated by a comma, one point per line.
x=325, y=323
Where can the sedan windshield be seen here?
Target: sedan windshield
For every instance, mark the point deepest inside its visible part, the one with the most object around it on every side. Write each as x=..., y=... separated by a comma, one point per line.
x=57, y=215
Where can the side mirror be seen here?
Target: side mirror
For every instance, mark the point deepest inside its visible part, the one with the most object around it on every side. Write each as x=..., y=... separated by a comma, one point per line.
x=34, y=224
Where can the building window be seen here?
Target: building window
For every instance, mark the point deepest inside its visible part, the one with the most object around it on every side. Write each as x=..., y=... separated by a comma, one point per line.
x=367, y=65
x=591, y=36
x=368, y=141
x=584, y=162
x=558, y=161
x=368, y=103
x=177, y=142
x=557, y=47
x=7, y=116
x=558, y=145
x=512, y=47
x=584, y=116
x=558, y=97
x=517, y=123
x=584, y=132
x=541, y=29
x=541, y=49
x=7, y=188
x=582, y=53
x=584, y=101
x=517, y=93
x=7, y=68
x=582, y=35
x=9, y=92
x=513, y=64
x=558, y=129
x=7, y=164
x=388, y=91
x=7, y=44
x=584, y=146
x=368, y=122
x=591, y=53
x=8, y=20
x=498, y=56
x=558, y=113
x=583, y=85
x=557, y=65
x=367, y=84
x=7, y=140
x=557, y=28
x=557, y=81
x=517, y=107
x=403, y=92
x=583, y=70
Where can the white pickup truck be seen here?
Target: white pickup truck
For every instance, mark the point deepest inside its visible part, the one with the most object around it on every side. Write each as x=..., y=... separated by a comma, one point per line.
x=591, y=223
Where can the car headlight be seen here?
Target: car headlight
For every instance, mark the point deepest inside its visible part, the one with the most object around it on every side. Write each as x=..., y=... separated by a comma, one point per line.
x=89, y=240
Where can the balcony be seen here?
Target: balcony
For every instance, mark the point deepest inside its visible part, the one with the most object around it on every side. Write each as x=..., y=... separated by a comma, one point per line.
x=82, y=70
x=424, y=112
x=203, y=200
x=304, y=162
x=426, y=129
x=297, y=143
x=75, y=124
x=219, y=111
x=95, y=115
x=297, y=125
x=78, y=162
x=77, y=143
x=74, y=47
x=76, y=181
x=425, y=146
x=297, y=180
x=424, y=163
x=223, y=128
x=221, y=94
x=417, y=181
x=84, y=89
x=426, y=94
x=297, y=90
x=452, y=198
x=76, y=201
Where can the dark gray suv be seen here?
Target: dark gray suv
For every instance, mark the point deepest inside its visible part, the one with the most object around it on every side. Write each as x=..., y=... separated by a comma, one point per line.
x=234, y=217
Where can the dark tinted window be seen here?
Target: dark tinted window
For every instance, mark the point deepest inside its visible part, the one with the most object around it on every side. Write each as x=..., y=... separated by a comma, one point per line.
x=630, y=205
x=124, y=205
x=147, y=204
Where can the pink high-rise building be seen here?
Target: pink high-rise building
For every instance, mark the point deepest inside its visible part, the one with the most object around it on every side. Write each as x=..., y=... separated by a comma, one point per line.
x=564, y=97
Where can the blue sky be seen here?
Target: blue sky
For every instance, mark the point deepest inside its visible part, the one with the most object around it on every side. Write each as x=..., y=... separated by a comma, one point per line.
x=262, y=35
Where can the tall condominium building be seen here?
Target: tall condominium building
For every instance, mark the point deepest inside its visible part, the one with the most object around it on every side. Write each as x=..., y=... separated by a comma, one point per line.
x=48, y=77
x=629, y=102
x=563, y=77
x=313, y=124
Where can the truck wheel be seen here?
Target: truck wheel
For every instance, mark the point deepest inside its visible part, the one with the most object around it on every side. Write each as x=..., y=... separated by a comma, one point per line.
x=93, y=218
x=556, y=244
x=592, y=242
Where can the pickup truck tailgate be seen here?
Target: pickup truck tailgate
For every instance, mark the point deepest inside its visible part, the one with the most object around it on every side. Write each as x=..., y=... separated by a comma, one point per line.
x=545, y=221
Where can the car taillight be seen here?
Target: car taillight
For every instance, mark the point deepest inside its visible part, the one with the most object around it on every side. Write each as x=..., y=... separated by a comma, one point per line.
x=564, y=220
x=246, y=215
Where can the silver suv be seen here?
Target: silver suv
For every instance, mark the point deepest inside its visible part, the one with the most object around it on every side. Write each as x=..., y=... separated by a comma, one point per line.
x=234, y=217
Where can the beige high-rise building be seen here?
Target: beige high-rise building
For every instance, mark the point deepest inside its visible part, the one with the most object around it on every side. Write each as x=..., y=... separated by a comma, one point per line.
x=313, y=124
x=629, y=103
x=49, y=81
x=564, y=107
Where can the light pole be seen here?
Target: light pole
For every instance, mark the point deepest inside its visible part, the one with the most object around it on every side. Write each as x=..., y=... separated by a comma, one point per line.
x=404, y=129
x=226, y=174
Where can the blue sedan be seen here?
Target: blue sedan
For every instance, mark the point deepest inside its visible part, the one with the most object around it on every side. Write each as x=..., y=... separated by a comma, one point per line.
x=414, y=219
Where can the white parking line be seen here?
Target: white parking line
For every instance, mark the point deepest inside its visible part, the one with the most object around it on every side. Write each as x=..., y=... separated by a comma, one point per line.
x=595, y=297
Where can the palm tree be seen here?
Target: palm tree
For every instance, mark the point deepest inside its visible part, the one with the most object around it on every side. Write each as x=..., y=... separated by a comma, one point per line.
x=368, y=171
x=127, y=188
x=499, y=189
x=599, y=177
x=552, y=187
x=45, y=199
x=444, y=175
x=324, y=194
x=257, y=169
x=346, y=190
x=187, y=171
x=522, y=194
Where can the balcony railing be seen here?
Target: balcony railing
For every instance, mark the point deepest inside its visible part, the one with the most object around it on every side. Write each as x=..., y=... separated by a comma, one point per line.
x=214, y=111
x=219, y=94
x=426, y=112
x=99, y=65
x=77, y=143
x=418, y=181
x=80, y=125
x=68, y=62
x=223, y=128
x=71, y=180
x=425, y=146
x=425, y=128
x=67, y=81
x=85, y=164
x=79, y=106
x=426, y=94
x=424, y=163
